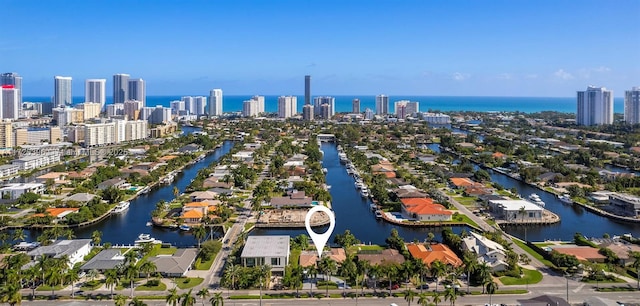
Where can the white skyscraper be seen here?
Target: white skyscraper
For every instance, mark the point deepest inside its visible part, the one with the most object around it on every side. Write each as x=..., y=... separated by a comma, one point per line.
x=189, y=104
x=9, y=101
x=382, y=105
x=62, y=91
x=12, y=78
x=177, y=106
x=260, y=102
x=318, y=102
x=120, y=88
x=214, y=105
x=287, y=106
x=250, y=108
x=95, y=90
x=595, y=106
x=200, y=105
x=405, y=108
x=632, y=106
x=137, y=90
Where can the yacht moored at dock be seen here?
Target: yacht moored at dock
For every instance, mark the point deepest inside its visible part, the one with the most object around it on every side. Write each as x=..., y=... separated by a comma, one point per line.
x=121, y=207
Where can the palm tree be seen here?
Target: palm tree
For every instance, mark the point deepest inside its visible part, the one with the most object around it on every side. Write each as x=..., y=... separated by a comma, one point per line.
x=92, y=274
x=636, y=265
x=451, y=295
x=436, y=298
x=522, y=212
x=216, y=299
x=409, y=295
x=232, y=271
x=437, y=270
x=52, y=278
x=312, y=272
x=120, y=300
x=69, y=234
x=199, y=232
x=264, y=273
x=203, y=294
x=187, y=299
x=423, y=299
x=136, y=302
x=131, y=272
x=470, y=263
x=18, y=234
x=420, y=268
x=484, y=272
x=111, y=279
x=176, y=191
x=173, y=297
x=491, y=289
x=72, y=277
x=130, y=257
x=96, y=237
x=327, y=265
x=408, y=271
x=148, y=267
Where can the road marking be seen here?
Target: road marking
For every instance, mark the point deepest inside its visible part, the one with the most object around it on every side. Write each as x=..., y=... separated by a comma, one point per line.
x=579, y=288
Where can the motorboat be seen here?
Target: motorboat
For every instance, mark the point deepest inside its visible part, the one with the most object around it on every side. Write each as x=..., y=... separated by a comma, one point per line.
x=535, y=199
x=325, y=170
x=359, y=185
x=373, y=207
x=185, y=227
x=378, y=214
x=565, y=198
x=146, y=238
x=364, y=192
x=121, y=207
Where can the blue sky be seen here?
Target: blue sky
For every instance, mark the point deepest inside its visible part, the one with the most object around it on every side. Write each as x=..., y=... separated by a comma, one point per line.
x=463, y=48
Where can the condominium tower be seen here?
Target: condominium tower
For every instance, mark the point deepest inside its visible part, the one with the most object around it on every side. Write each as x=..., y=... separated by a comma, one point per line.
x=307, y=89
x=62, y=91
x=214, y=104
x=120, y=88
x=95, y=90
x=632, y=106
x=355, y=106
x=12, y=78
x=595, y=106
x=287, y=106
x=382, y=105
x=136, y=90
x=9, y=102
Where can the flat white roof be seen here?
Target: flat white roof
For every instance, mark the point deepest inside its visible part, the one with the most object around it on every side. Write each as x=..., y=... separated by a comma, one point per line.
x=517, y=204
x=266, y=246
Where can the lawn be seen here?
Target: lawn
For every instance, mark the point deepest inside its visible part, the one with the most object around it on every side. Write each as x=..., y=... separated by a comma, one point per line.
x=159, y=286
x=159, y=250
x=91, y=285
x=205, y=265
x=529, y=277
x=373, y=247
x=188, y=282
x=48, y=288
x=248, y=225
x=294, y=258
x=467, y=201
x=533, y=253
x=465, y=219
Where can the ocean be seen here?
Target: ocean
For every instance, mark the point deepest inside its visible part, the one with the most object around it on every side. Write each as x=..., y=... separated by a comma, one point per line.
x=427, y=103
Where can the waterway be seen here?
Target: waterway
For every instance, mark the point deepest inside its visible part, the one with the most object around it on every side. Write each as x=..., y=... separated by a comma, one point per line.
x=124, y=228
x=573, y=218
x=352, y=211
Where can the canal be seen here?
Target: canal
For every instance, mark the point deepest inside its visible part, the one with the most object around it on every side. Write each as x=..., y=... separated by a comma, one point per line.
x=352, y=211
x=573, y=218
x=124, y=228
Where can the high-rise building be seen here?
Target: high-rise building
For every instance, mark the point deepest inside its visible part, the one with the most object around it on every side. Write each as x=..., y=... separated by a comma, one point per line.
x=595, y=106
x=307, y=89
x=95, y=90
x=62, y=91
x=6, y=134
x=307, y=112
x=115, y=109
x=137, y=90
x=368, y=114
x=9, y=100
x=250, y=108
x=177, y=106
x=406, y=108
x=287, y=106
x=215, y=103
x=12, y=78
x=632, y=106
x=325, y=111
x=131, y=109
x=260, y=102
x=318, y=103
x=120, y=88
x=382, y=105
x=90, y=109
x=355, y=106
x=200, y=106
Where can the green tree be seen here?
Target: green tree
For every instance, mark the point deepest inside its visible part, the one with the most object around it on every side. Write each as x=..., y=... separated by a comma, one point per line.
x=346, y=240
x=18, y=234
x=96, y=237
x=147, y=267
x=327, y=266
x=53, y=278
x=423, y=299
x=409, y=295
x=438, y=270
x=111, y=279
x=451, y=295
x=636, y=265
x=217, y=299
x=187, y=299
x=173, y=298
x=199, y=232
x=131, y=272
x=436, y=298
x=491, y=289
x=203, y=294
x=120, y=300
x=137, y=302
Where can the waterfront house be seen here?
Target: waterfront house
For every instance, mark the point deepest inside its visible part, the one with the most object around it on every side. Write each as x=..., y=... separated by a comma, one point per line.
x=429, y=253
x=267, y=250
x=147, y=166
x=58, y=213
x=243, y=156
x=175, y=265
x=105, y=260
x=127, y=172
x=409, y=191
x=487, y=251
x=293, y=198
x=214, y=182
x=190, y=148
x=82, y=197
x=423, y=209
x=75, y=250
x=199, y=196
x=116, y=182
x=193, y=212
x=464, y=182
x=384, y=256
x=56, y=177
x=621, y=248
x=516, y=210
x=583, y=253
x=310, y=258
x=13, y=191
x=625, y=204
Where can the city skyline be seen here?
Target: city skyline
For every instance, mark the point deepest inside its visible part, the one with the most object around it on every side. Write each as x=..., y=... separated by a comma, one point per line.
x=498, y=48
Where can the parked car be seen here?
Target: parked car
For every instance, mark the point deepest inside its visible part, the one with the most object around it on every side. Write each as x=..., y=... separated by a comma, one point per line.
x=342, y=285
x=423, y=286
x=394, y=287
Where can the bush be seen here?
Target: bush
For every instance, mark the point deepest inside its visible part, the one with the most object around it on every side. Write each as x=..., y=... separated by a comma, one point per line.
x=153, y=283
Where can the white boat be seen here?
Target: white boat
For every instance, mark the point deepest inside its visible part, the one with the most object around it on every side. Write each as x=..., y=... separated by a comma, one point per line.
x=364, y=192
x=378, y=214
x=325, y=170
x=185, y=228
x=565, y=198
x=146, y=238
x=373, y=207
x=359, y=185
x=146, y=189
x=536, y=200
x=122, y=206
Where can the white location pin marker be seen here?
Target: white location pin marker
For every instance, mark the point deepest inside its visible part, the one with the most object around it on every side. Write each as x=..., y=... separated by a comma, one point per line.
x=320, y=240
